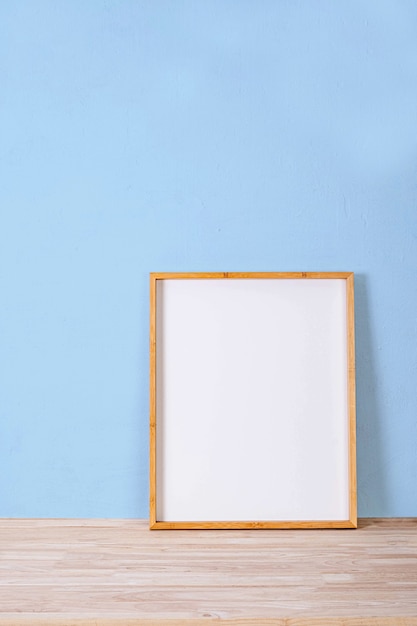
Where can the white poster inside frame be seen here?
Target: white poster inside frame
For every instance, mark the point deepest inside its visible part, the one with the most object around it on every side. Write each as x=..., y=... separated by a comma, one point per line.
x=252, y=416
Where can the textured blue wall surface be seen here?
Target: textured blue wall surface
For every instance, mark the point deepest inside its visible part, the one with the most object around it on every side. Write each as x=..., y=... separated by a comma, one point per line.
x=142, y=136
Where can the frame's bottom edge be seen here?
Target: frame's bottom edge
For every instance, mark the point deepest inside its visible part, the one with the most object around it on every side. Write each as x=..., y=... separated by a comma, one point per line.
x=234, y=525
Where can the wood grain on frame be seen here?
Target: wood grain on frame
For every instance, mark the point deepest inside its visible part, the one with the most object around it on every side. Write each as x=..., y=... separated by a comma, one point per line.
x=351, y=397
x=301, y=524
x=152, y=399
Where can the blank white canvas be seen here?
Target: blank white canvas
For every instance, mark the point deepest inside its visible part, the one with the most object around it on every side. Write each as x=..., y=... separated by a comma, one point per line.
x=252, y=411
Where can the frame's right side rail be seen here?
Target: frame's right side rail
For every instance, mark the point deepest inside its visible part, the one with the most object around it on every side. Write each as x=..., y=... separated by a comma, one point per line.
x=351, y=372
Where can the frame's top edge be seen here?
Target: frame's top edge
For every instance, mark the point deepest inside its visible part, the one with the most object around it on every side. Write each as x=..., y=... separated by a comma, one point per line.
x=241, y=275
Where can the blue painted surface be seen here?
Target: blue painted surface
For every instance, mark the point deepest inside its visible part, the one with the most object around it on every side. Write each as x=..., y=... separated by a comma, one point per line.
x=196, y=136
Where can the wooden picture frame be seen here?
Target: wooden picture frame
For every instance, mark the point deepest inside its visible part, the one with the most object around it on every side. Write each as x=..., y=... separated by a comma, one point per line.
x=252, y=400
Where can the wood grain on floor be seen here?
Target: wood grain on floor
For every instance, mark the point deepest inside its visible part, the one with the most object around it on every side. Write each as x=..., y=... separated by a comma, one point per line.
x=114, y=572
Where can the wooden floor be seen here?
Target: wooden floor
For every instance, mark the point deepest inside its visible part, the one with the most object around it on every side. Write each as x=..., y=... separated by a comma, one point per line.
x=108, y=572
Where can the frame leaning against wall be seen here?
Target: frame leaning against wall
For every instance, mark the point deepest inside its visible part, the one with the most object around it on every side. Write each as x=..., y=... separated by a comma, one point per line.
x=252, y=400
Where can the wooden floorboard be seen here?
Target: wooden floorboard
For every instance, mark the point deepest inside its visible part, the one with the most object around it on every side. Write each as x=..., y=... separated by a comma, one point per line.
x=114, y=572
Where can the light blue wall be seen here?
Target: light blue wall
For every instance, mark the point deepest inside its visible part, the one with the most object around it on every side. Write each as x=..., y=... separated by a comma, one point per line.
x=228, y=135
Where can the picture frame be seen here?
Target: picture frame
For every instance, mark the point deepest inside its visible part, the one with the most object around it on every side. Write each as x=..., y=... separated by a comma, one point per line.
x=252, y=400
